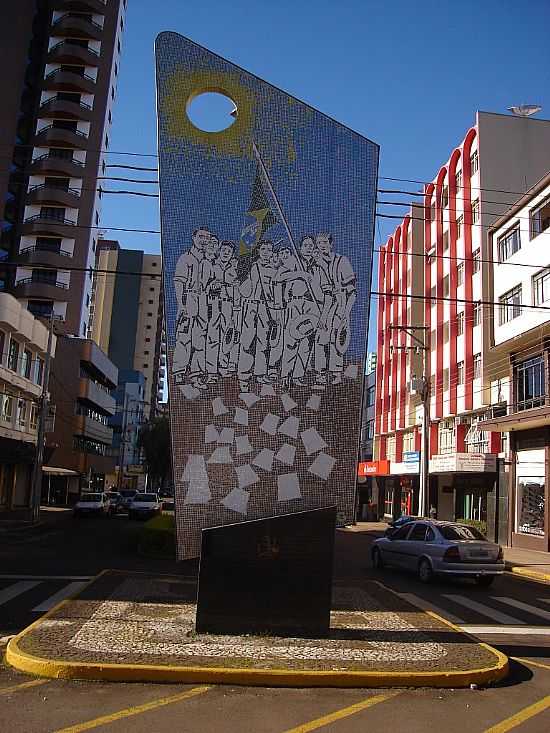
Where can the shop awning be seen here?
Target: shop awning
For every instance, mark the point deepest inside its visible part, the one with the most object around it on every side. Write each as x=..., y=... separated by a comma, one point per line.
x=524, y=420
x=54, y=471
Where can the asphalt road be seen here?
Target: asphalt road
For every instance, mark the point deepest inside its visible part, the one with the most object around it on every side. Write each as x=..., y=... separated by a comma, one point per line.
x=513, y=615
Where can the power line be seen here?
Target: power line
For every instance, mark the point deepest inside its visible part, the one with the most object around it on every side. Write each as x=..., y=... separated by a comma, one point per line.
x=487, y=213
x=460, y=259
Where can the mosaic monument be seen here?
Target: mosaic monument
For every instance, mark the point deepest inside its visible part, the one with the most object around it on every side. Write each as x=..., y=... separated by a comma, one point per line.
x=267, y=241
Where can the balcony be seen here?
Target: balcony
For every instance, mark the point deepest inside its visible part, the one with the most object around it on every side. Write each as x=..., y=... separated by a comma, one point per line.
x=78, y=26
x=52, y=136
x=83, y=6
x=35, y=256
x=31, y=287
x=92, y=393
x=46, y=194
x=49, y=226
x=68, y=81
x=63, y=109
x=48, y=164
x=66, y=52
x=93, y=429
x=521, y=417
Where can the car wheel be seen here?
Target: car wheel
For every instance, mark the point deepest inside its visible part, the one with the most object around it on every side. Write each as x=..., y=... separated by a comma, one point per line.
x=425, y=572
x=484, y=581
x=377, y=561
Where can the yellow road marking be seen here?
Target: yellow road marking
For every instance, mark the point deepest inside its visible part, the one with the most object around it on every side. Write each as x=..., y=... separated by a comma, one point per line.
x=22, y=686
x=339, y=714
x=521, y=717
x=528, y=661
x=136, y=710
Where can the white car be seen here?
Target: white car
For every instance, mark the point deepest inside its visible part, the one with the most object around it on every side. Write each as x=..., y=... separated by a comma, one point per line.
x=144, y=506
x=93, y=503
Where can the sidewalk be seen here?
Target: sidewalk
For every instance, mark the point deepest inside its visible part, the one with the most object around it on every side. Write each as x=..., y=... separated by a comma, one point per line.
x=529, y=563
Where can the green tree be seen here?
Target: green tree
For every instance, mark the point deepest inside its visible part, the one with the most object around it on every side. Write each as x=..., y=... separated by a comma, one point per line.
x=154, y=440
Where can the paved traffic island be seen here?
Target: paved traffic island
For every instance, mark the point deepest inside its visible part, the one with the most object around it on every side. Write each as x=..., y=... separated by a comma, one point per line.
x=134, y=626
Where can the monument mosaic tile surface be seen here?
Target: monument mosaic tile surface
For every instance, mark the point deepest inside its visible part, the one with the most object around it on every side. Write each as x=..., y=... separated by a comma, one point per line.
x=267, y=240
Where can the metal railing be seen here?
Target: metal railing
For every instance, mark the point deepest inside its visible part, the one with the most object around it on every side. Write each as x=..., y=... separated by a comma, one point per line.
x=57, y=98
x=77, y=15
x=72, y=191
x=45, y=156
x=43, y=281
x=37, y=248
x=52, y=219
x=56, y=72
x=65, y=129
x=68, y=43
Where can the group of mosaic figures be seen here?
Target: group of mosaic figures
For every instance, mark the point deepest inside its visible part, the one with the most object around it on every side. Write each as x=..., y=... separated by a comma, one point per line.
x=286, y=315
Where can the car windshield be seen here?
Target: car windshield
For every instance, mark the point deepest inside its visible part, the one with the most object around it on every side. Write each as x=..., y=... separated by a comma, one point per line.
x=146, y=497
x=126, y=494
x=461, y=532
x=91, y=497
x=113, y=494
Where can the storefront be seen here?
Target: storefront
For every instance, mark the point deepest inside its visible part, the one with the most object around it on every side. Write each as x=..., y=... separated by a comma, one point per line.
x=406, y=489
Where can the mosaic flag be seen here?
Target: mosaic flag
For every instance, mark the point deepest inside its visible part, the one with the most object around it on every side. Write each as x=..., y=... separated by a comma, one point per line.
x=267, y=240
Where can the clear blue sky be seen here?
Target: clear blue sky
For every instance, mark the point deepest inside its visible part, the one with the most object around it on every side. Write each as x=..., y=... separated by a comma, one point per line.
x=408, y=75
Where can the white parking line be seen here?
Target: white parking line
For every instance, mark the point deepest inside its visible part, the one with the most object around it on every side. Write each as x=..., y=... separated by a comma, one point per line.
x=524, y=607
x=46, y=577
x=427, y=606
x=503, y=630
x=65, y=592
x=12, y=591
x=491, y=613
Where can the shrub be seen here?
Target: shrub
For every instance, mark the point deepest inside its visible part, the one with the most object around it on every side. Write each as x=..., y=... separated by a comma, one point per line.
x=157, y=537
x=481, y=526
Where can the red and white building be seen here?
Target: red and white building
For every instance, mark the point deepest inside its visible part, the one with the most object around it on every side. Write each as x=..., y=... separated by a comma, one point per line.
x=435, y=275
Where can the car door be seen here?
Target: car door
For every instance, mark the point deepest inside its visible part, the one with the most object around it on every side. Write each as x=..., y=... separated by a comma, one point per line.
x=415, y=545
x=394, y=548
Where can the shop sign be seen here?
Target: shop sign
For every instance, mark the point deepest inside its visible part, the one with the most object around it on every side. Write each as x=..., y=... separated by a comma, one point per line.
x=463, y=463
x=411, y=456
x=373, y=468
x=397, y=469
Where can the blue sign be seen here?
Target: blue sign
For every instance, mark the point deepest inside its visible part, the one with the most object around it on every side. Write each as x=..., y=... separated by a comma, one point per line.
x=411, y=456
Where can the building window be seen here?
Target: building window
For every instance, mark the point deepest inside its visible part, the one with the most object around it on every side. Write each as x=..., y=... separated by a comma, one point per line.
x=22, y=413
x=477, y=313
x=445, y=379
x=148, y=327
x=460, y=274
x=371, y=392
x=475, y=211
x=26, y=364
x=510, y=304
x=446, y=332
x=445, y=241
x=541, y=286
x=390, y=448
x=531, y=501
x=13, y=355
x=539, y=218
x=458, y=180
x=477, y=366
x=459, y=225
x=460, y=372
x=150, y=302
x=474, y=163
x=146, y=366
x=476, y=440
x=446, y=288
x=476, y=261
x=388, y=501
x=6, y=407
x=2, y=345
x=39, y=370
x=530, y=383
x=432, y=212
x=147, y=340
x=33, y=421
x=508, y=244
x=460, y=323
x=151, y=290
x=445, y=197
x=446, y=437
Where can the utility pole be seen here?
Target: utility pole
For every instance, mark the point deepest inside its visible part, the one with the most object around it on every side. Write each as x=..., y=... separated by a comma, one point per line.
x=421, y=386
x=122, y=443
x=36, y=481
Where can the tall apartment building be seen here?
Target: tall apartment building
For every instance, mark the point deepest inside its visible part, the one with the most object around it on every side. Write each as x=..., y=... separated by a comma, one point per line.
x=127, y=318
x=519, y=243
x=61, y=62
x=445, y=260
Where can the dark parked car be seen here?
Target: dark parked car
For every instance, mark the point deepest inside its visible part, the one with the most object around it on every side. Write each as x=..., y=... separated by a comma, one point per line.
x=127, y=498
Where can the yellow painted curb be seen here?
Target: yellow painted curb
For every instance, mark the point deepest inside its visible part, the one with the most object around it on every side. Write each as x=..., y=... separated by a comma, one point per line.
x=61, y=669
x=530, y=574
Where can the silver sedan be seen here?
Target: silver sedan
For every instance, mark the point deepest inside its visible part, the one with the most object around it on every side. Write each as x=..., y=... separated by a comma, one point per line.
x=433, y=548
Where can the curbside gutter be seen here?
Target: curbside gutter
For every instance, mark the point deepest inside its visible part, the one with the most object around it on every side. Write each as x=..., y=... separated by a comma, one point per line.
x=527, y=573
x=109, y=672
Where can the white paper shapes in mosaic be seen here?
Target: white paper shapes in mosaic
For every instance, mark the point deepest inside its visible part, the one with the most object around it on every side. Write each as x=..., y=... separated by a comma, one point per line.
x=246, y=476
x=288, y=487
x=189, y=392
x=241, y=416
x=322, y=465
x=313, y=442
x=221, y=455
x=211, y=434
x=237, y=500
x=314, y=402
x=218, y=407
x=288, y=403
x=227, y=435
x=264, y=459
x=290, y=427
x=286, y=454
x=267, y=391
x=351, y=371
x=249, y=398
x=196, y=475
x=243, y=445
x=270, y=423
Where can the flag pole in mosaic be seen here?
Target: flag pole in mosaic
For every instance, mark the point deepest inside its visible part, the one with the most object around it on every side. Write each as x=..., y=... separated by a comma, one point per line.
x=267, y=242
